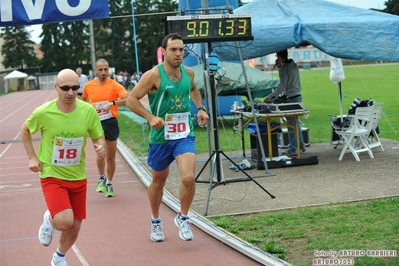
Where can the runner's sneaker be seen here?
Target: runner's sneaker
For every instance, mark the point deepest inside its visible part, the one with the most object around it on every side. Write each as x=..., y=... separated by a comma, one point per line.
x=156, y=231
x=109, y=191
x=101, y=185
x=46, y=230
x=58, y=261
x=184, y=228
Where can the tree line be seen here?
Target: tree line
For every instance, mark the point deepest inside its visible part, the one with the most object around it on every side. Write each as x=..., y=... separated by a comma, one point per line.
x=67, y=44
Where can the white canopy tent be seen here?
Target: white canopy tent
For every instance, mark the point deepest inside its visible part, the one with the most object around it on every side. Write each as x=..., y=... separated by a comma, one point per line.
x=32, y=83
x=16, y=81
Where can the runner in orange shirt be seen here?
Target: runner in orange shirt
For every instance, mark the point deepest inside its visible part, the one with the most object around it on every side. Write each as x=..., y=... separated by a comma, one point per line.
x=106, y=95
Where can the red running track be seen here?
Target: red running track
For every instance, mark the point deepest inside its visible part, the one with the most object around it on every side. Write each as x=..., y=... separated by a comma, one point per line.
x=116, y=231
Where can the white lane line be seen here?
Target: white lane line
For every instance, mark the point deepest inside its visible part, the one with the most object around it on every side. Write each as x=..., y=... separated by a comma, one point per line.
x=80, y=255
x=16, y=110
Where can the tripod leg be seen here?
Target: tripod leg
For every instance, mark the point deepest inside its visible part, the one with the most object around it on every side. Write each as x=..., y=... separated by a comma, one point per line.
x=251, y=178
x=206, y=163
x=209, y=189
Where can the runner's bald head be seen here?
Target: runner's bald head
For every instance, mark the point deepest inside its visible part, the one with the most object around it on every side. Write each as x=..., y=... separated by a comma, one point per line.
x=67, y=76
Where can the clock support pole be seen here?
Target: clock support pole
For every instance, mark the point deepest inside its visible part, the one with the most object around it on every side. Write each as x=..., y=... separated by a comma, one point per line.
x=216, y=176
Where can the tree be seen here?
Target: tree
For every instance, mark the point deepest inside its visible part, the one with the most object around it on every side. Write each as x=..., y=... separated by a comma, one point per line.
x=18, y=50
x=151, y=29
x=65, y=45
x=392, y=7
x=114, y=36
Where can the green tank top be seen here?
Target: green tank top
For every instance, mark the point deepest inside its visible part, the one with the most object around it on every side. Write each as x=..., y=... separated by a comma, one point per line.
x=171, y=97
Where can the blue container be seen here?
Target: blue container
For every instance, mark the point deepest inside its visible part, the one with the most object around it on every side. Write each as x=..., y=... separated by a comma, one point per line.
x=263, y=127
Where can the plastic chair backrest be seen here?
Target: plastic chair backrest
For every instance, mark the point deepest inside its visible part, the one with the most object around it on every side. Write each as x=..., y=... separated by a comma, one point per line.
x=364, y=117
x=377, y=115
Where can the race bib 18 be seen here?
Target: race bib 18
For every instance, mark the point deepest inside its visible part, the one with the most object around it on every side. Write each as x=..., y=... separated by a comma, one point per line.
x=67, y=151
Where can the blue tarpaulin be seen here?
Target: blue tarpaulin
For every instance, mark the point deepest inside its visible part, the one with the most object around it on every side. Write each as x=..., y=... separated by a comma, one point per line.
x=339, y=30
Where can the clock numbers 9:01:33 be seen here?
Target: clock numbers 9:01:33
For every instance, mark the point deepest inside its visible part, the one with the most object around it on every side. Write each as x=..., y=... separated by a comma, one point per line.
x=227, y=27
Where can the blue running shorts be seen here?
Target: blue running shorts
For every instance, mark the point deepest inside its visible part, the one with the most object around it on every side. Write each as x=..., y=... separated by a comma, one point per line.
x=160, y=156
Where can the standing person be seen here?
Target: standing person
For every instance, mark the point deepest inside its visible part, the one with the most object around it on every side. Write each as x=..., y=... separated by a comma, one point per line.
x=169, y=86
x=134, y=79
x=106, y=95
x=290, y=86
x=60, y=161
x=119, y=78
x=82, y=81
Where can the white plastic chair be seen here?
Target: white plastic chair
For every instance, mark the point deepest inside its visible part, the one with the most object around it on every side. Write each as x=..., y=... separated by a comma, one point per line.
x=356, y=135
x=374, y=140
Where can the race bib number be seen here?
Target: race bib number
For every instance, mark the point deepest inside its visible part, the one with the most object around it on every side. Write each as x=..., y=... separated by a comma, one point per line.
x=67, y=151
x=102, y=114
x=176, y=126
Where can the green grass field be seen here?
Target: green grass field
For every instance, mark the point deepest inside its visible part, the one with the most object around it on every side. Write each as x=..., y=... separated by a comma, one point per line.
x=295, y=235
x=320, y=96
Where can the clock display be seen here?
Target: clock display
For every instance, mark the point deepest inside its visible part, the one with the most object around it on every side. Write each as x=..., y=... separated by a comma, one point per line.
x=210, y=28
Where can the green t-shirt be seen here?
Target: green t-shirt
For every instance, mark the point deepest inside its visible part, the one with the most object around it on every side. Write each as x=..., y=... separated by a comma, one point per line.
x=58, y=130
x=170, y=98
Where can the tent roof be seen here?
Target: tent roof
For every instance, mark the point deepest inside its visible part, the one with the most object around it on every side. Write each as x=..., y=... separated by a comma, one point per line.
x=16, y=75
x=338, y=30
x=230, y=80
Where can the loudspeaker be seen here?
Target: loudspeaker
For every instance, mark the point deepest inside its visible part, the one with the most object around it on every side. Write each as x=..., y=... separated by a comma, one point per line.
x=256, y=154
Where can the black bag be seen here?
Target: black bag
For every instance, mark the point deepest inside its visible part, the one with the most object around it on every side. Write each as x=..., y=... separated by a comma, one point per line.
x=352, y=110
x=287, y=163
x=358, y=103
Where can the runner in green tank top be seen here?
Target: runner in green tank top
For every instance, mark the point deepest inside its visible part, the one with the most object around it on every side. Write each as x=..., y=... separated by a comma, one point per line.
x=171, y=97
x=170, y=87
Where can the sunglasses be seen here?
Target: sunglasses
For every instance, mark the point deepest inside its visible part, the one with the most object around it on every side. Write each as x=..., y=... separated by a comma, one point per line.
x=67, y=88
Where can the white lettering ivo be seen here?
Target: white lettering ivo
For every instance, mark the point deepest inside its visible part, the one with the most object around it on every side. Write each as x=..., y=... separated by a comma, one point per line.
x=34, y=9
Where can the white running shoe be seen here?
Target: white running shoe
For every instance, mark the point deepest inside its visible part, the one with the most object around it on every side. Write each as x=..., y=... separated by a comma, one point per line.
x=46, y=230
x=185, y=232
x=156, y=231
x=58, y=261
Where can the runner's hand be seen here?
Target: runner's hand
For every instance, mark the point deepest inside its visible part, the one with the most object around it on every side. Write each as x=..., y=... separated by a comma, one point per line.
x=100, y=150
x=35, y=165
x=156, y=122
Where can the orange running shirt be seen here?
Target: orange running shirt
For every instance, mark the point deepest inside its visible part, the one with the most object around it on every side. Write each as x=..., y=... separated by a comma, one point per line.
x=110, y=91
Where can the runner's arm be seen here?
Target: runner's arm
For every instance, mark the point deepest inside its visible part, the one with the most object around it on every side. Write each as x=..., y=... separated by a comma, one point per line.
x=34, y=163
x=195, y=94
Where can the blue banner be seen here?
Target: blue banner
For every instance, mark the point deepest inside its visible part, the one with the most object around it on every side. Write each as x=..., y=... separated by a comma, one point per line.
x=28, y=12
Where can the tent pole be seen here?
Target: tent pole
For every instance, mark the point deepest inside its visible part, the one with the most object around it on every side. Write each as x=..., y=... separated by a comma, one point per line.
x=253, y=109
x=92, y=46
x=340, y=101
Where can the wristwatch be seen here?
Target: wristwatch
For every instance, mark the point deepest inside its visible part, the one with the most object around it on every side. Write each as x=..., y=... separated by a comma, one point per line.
x=202, y=108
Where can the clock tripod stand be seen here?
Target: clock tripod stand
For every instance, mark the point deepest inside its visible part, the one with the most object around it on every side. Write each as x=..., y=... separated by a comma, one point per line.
x=216, y=28
x=216, y=176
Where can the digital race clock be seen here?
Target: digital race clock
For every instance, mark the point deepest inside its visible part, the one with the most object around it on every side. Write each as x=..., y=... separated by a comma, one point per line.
x=210, y=28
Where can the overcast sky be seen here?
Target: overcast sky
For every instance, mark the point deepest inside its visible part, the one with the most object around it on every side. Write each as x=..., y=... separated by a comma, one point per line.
x=367, y=4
